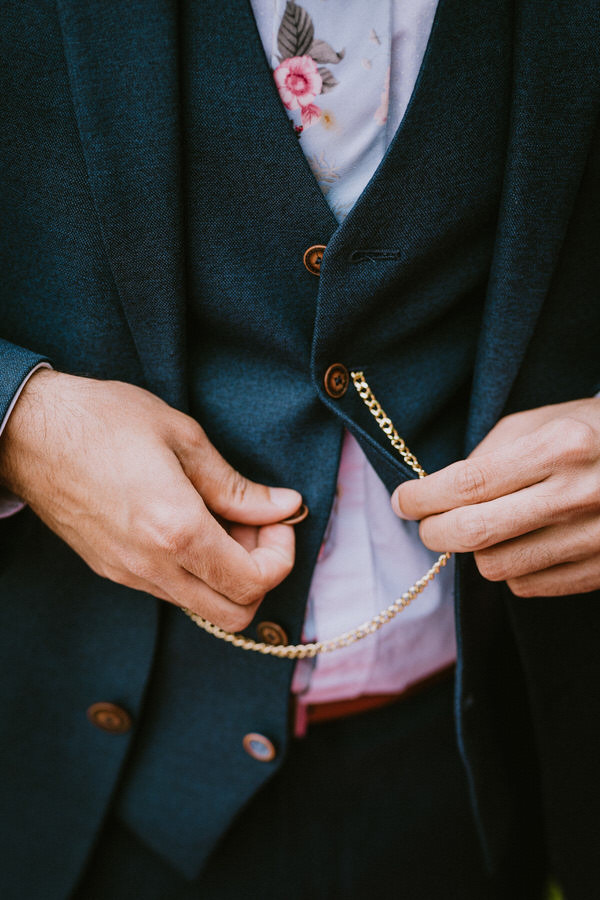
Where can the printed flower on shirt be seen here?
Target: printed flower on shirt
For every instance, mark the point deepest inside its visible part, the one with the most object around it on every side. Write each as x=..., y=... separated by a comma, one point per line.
x=298, y=76
x=298, y=81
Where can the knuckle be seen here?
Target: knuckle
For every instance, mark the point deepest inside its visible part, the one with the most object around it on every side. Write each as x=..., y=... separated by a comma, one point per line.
x=249, y=593
x=189, y=433
x=539, y=559
x=235, y=487
x=590, y=491
x=472, y=531
x=589, y=539
x=237, y=620
x=522, y=561
x=470, y=482
x=140, y=567
x=230, y=488
x=105, y=570
x=576, y=501
x=578, y=440
x=521, y=588
x=509, y=420
x=491, y=566
x=181, y=540
x=170, y=536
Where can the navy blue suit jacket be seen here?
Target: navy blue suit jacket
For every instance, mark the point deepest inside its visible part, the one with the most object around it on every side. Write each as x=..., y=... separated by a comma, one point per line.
x=93, y=279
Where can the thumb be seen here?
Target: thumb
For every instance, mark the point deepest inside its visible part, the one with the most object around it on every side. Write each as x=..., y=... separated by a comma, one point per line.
x=229, y=494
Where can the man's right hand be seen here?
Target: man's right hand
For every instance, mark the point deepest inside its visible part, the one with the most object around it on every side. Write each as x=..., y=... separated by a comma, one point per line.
x=139, y=492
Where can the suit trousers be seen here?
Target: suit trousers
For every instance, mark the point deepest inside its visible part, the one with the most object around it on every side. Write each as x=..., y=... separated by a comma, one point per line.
x=372, y=805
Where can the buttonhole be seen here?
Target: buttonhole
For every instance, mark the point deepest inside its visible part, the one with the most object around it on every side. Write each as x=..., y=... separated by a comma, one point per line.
x=373, y=255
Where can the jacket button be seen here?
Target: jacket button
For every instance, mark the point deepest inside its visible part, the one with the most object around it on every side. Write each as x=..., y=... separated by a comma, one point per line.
x=271, y=633
x=336, y=380
x=313, y=258
x=259, y=747
x=109, y=717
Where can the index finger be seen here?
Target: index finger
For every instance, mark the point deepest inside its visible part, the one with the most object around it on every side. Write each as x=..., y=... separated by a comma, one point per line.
x=526, y=461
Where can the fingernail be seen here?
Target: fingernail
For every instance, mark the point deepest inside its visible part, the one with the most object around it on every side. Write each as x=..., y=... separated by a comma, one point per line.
x=284, y=498
x=396, y=504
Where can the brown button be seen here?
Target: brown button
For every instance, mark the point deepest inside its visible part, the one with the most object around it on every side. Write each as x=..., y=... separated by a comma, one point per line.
x=313, y=258
x=336, y=380
x=259, y=747
x=271, y=633
x=299, y=516
x=109, y=717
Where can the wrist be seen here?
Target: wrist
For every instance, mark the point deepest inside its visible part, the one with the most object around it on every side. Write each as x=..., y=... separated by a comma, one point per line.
x=22, y=439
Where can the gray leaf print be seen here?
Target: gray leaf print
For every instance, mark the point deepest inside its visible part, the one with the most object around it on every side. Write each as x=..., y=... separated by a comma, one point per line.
x=322, y=52
x=324, y=171
x=328, y=78
x=296, y=32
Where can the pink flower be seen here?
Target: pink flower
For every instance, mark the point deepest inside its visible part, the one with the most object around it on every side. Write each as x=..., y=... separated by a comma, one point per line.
x=309, y=114
x=298, y=81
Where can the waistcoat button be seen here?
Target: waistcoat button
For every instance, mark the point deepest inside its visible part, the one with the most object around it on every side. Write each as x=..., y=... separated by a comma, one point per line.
x=336, y=380
x=299, y=516
x=313, y=258
x=109, y=717
x=271, y=633
x=259, y=747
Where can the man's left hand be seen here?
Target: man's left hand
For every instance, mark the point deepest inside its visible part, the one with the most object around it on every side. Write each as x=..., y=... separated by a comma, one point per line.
x=526, y=501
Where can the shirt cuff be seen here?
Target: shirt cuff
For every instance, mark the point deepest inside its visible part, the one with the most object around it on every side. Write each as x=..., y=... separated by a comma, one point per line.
x=9, y=503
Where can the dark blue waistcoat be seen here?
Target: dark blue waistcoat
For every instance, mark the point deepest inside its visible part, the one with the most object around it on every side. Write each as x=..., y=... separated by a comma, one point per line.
x=397, y=297
x=156, y=208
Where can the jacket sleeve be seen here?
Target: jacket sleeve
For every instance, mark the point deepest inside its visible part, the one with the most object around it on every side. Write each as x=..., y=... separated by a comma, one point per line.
x=17, y=365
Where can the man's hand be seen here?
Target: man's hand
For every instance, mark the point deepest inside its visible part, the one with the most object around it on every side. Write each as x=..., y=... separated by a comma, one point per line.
x=527, y=501
x=139, y=492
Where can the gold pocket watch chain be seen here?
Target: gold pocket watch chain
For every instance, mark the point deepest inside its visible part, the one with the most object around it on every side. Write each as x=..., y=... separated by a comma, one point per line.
x=302, y=651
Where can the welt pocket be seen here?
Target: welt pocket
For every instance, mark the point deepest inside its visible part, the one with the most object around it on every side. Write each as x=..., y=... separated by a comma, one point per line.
x=358, y=256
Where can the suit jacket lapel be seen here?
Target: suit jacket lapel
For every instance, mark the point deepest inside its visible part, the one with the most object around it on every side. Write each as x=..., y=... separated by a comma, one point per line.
x=122, y=62
x=123, y=68
x=554, y=106
x=234, y=72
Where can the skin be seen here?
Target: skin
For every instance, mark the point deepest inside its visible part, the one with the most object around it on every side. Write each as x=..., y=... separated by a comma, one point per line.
x=139, y=492
x=526, y=502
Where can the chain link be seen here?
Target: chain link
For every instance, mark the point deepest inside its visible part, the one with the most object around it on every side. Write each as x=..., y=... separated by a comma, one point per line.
x=303, y=651
x=385, y=423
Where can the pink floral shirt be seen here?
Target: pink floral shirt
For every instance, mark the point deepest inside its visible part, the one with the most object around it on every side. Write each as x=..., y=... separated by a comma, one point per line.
x=345, y=71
